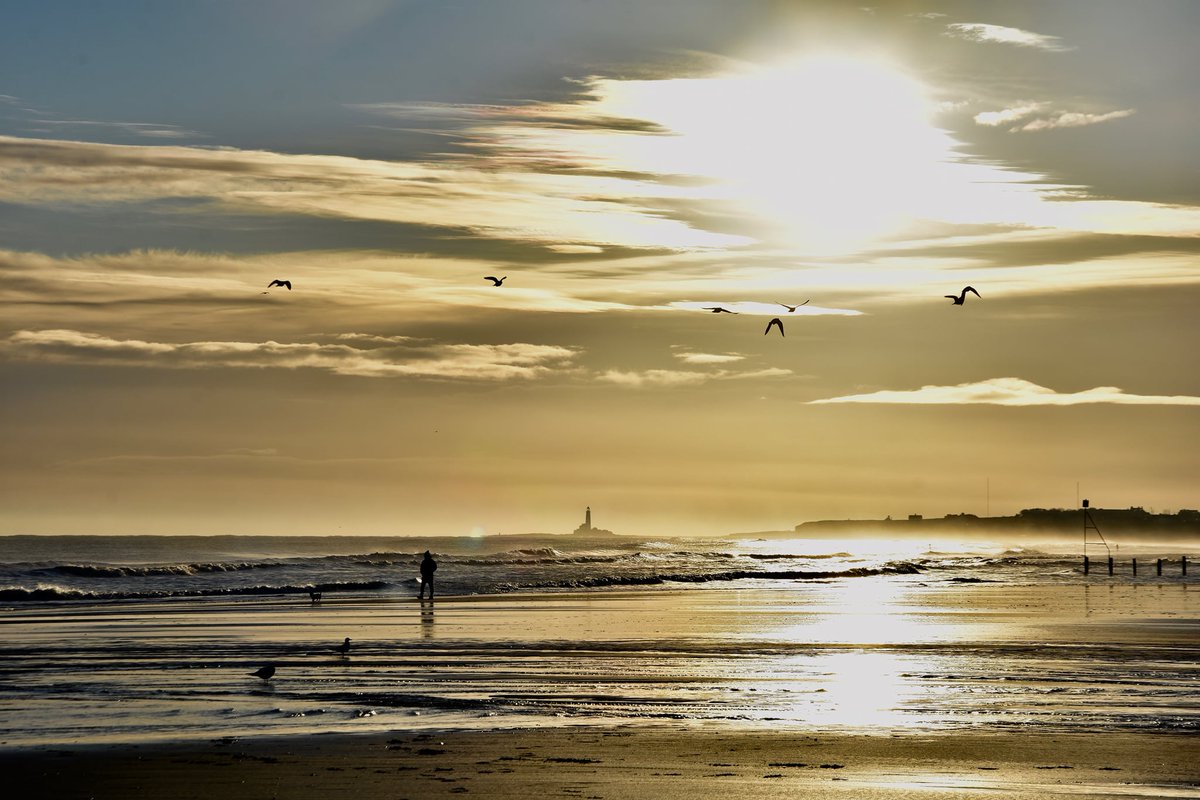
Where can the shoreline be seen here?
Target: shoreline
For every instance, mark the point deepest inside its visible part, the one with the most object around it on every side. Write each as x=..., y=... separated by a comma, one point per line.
x=611, y=762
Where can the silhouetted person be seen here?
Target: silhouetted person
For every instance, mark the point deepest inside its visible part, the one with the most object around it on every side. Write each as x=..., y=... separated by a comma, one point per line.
x=774, y=323
x=428, y=567
x=962, y=297
x=265, y=672
x=344, y=647
x=495, y=281
x=278, y=282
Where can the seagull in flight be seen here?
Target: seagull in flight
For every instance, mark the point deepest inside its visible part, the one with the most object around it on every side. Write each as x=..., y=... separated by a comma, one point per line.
x=775, y=321
x=793, y=308
x=344, y=647
x=265, y=673
x=962, y=298
x=718, y=310
x=278, y=282
x=495, y=281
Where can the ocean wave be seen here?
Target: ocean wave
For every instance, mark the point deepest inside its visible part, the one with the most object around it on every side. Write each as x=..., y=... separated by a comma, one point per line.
x=125, y=571
x=52, y=592
x=899, y=568
x=794, y=556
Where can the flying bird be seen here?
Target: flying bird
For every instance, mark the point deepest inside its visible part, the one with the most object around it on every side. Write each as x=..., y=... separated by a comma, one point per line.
x=962, y=298
x=775, y=321
x=265, y=672
x=278, y=282
x=718, y=310
x=793, y=308
x=344, y=647
x=495, y=281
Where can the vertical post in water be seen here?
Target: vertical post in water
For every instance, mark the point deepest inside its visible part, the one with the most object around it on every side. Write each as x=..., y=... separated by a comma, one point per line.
x=1158, y=567
x=1085, y=565
x=1110, y=565
x=1135, y=566
x=1183, y=563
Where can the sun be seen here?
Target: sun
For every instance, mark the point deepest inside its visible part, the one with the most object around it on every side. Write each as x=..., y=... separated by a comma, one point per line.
x=822, y=153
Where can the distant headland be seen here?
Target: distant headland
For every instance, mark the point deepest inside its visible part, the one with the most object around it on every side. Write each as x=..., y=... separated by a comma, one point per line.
x=1118, y=523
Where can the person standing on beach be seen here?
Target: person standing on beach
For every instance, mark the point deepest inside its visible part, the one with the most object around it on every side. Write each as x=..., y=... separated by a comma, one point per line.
x=428, y=567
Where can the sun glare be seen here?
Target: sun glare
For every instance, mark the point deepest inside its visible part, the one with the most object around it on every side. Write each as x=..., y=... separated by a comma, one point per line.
x=822, y=153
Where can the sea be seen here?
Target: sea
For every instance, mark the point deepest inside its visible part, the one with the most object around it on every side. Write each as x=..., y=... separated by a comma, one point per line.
x=149, y=638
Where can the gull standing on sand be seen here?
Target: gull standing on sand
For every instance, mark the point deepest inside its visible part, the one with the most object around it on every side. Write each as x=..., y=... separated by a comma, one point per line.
x=344, y=647
x=264, y=672
x=777, y=321
x=962, y=298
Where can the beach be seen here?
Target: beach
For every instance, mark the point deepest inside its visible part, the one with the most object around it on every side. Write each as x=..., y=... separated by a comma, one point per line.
x=618, y=762
x=950, y=675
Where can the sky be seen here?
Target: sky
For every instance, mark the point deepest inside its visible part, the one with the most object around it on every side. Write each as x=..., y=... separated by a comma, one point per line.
x=625, y=166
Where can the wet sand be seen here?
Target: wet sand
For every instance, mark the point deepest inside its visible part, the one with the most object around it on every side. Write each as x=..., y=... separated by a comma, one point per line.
x=596, y=763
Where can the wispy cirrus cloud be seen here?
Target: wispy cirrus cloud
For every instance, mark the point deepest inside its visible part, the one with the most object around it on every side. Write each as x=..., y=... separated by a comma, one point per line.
x=754, y=308
x=1010, y=392
x=671, y=377
x=512, y=201
x=1041, y=117
x=367, y=356
x=982, y=32
x=689, y=357
x=150, y=130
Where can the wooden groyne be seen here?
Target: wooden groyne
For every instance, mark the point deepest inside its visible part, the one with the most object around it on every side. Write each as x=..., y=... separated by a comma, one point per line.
x=1158, y=565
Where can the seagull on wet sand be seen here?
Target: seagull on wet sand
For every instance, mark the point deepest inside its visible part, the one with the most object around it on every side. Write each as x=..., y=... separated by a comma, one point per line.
x=718, y=310
x=344, y=647
x=495, y=281
x=265, y=673
x=775, y=321
x=962, y=298
x=278, y=282
x=792, y=309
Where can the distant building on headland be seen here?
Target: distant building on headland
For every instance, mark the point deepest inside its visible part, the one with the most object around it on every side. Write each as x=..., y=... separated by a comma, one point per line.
x=586, y=527
x=1134, y=521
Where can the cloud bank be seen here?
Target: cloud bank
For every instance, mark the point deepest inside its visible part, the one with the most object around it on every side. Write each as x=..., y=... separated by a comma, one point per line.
x=360, y=356
x=1040, y=117
x=1011, y=392
x=672, y=377
x=981, y=32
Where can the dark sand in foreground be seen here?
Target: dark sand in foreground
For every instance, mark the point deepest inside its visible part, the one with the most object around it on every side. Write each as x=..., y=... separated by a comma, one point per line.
x=618, y=763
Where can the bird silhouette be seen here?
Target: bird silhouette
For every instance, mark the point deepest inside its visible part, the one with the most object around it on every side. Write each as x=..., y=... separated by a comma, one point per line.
x=793, y=308
x=278, y=282
x=775, y=321
x=495, y=281
x=718, y=310
x=314, y=597
x=344, y=647
x=265, y=672
x=962, y=298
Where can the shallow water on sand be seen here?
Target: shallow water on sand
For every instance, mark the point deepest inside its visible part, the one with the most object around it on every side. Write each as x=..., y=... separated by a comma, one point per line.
x=874, y=654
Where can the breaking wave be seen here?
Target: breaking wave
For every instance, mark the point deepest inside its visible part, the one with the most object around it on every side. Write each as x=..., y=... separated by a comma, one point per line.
x=50, y=592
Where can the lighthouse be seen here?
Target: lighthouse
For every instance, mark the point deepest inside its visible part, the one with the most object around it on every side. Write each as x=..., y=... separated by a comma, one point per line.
x=587, y=528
